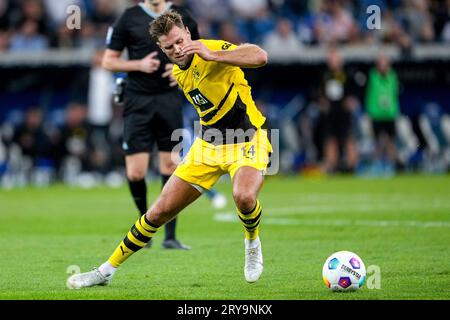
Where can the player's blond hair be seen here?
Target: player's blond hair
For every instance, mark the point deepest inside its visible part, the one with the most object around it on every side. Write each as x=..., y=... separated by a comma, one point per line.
x=162, y=25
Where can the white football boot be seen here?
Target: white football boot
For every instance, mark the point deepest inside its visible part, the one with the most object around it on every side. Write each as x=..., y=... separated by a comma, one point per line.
x=88, y=279
x=253, y=260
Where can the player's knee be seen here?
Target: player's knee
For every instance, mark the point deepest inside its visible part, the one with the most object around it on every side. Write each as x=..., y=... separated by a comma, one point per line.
x=159, y=214
x=168, y=169
x=136, y=174
x=245, y=200
x=154, y=217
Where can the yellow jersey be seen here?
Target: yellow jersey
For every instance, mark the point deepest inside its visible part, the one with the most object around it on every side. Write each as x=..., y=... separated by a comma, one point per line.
x=219, y=92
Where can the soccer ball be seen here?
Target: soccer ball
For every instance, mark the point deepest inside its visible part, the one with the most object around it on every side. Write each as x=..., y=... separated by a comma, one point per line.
x=344, y=271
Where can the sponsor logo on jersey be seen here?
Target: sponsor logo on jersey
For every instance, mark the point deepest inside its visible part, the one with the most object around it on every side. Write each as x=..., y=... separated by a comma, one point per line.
x=226, y=46
x=200, y=100
x=196, y=73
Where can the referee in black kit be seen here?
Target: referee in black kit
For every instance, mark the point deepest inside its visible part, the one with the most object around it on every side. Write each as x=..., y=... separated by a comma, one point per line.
x=152, y=101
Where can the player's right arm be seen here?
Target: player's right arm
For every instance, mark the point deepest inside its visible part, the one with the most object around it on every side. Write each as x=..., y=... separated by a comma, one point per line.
x=112, y=61
x=243, y=56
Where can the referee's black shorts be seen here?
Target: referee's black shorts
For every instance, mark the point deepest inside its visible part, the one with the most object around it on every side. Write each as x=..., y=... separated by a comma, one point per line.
x=384, y=126
x=338, y=124
x=150, y=119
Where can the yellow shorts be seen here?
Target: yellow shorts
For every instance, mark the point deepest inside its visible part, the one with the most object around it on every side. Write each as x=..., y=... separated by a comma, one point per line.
x=205, y=163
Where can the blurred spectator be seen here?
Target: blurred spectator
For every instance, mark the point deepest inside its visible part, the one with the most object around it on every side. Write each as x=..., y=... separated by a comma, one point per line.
x=28, y=38
x=432, y=123
x=4, y=40
x=57, y=10
x=33, y=10
x=283, y=42
x=64, y=38
x=88, y=37
x=305, y=29
x=84, y=147
x=418, y=21
x=314, y=21
x=289, y=8
x=98, y=16
x=74, y=142
x=3, y=157
x=337, y=106
x=101, y=86
x=121, y=5
x=213, y=11
x=335, y=24
x=5, y=14
x=382, y=103
x=228, y=32
x=253, y=18
x=31, y=136
x=36, y=143
x=446, y=33
x=205, y=29
x=442, y=20
x=259, y=28
x=104, y=15
x=391, y=31
x=249, y=9
x=116, y=7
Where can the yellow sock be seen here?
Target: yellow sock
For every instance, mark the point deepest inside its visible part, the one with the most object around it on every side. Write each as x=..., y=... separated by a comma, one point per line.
x=251, y=220
x=138, y=236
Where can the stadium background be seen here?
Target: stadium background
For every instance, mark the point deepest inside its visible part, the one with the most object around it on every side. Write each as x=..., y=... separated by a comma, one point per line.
x=54, y=69
x=59, y=122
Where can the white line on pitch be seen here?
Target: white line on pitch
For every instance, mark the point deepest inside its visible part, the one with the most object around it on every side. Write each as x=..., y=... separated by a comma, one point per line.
x=232, y=217
x=354, y=207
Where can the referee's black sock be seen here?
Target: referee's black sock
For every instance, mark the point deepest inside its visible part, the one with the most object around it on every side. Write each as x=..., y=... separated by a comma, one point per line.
x=139, y=192
x=171, y=225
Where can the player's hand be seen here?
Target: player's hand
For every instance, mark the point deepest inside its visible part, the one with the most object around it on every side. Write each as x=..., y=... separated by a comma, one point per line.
x=169, y=74
x=201, y=50
x=150, y=64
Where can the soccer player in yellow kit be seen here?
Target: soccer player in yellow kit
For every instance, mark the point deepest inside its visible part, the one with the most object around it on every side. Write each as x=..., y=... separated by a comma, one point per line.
x=233, y=140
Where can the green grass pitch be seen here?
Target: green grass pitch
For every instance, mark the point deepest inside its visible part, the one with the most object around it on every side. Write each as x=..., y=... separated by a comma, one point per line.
x=401, y=225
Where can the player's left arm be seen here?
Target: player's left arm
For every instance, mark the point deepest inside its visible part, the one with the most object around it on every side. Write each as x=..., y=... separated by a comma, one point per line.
x=243, y=56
